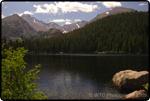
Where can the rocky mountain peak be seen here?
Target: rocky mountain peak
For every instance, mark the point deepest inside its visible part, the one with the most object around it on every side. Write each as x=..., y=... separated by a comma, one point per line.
x=112, y=11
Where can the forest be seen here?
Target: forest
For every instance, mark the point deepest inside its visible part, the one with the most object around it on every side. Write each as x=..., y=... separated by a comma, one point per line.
x=119, y=33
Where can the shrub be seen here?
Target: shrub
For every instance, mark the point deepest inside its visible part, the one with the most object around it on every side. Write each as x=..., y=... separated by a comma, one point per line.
x=15, y=83
x=146, y=86
x=121, y=52
x=96, y=52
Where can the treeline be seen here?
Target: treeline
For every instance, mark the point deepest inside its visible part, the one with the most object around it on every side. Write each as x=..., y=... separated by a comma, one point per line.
x=125, y=32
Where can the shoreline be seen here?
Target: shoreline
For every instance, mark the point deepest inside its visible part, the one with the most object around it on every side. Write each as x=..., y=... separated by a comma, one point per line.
x=88, y=54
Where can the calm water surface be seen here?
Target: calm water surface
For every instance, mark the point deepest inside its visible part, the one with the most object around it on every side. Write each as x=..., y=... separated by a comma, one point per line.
x=82, y=76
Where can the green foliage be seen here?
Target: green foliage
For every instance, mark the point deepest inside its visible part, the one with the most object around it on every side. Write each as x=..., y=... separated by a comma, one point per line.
x=114, y=52
x=15, y=83
x=121, y=52
x=146, y=86
x=20, y=40
x=96, y=52
x=110, y=52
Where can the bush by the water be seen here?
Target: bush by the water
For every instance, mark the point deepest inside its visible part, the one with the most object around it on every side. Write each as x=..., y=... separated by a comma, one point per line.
x=15, y=83
x=114, y=52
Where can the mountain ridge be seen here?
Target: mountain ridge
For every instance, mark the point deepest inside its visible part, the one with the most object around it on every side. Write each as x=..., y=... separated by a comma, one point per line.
x=14, y=26
x=112, y=11
x=33, y=25
x=73, y=26
x=120, y=33
x=41, y=26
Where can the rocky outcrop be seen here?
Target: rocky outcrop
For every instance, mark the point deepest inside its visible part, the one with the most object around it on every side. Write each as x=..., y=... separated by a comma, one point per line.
x=140, y=95
x=129, y=79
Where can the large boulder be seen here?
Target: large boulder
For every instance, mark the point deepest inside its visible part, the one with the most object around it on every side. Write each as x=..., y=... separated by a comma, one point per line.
x=140, y=95
x=129, y=79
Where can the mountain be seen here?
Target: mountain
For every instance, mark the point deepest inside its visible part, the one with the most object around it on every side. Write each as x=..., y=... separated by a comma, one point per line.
x=55, y=26
x=120, y=33
x=70, y=27
x=39, y=25
x=14, y=26
x=47, y=34
x=113, y=11
x=29, y=27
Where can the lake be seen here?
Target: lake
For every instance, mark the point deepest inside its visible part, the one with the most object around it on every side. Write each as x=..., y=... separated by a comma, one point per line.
x=83, y=76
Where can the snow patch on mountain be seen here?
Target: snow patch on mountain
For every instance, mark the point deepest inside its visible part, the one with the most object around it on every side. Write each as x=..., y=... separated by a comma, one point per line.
x=78, y=25
x=64, y=31
x=34, y=21
x=107, y=12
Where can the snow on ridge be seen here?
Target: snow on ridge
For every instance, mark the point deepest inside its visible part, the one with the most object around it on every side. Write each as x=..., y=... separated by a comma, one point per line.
x=64, y=31
x=34, y=20
x=78, y=25
x=107, y=12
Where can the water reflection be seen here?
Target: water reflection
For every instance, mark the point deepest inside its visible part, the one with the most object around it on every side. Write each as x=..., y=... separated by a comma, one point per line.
x=75, y=77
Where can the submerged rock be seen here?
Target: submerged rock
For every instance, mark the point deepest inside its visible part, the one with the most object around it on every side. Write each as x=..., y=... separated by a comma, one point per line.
x=129, y=79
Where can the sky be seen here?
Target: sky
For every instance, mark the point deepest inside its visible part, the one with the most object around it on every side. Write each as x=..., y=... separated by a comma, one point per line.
x=66, y=12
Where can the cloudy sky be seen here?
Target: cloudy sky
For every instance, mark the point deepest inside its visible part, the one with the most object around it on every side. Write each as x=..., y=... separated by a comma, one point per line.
x=65, y=12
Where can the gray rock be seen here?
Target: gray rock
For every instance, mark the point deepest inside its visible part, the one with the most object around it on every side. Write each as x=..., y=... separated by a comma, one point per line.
x=129, y=79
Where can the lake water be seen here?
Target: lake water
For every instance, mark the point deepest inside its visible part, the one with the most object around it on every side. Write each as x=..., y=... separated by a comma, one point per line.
x=83, y=76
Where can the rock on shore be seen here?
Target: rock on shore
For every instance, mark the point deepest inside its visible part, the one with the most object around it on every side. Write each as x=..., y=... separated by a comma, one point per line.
x=129, y=79
x=140, y=95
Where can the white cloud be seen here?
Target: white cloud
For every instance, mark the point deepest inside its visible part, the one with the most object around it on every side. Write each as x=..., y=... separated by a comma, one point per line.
x=28, y=12
x=2, y=16
x=77, y=20
x=75, y=7
x=64, y=7
x=142, y=4
x=25, y=12
x=58, y=20
x=67, y=20
x=61, y=20
x=51, y=8
x=67, y=23
x=111, y=4
x=40, y=10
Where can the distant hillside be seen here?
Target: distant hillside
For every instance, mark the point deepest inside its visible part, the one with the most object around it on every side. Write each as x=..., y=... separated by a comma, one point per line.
x=48, y=34
x=121, y=33
x=113, y=11
x=73, y=26
x=29, y=27
x=14, y=27
x=39, y=25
